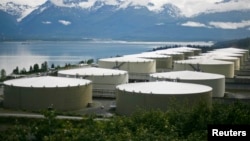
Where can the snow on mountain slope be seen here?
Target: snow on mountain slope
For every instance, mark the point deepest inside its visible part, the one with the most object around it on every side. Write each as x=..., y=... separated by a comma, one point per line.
x=185, y=8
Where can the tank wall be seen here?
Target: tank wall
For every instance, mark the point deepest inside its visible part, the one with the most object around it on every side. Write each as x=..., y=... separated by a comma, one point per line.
x=63, y=99
x=127, y=103
x=188, y=54
x=197, y=52
x=177, y=57
x=235, y=61
x=218, y=85
x=108, y=82
x=164, y=63
x=105, y=81
x=224, y=69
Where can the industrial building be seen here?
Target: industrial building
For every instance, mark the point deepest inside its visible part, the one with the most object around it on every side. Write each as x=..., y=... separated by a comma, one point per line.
x=104, y=80
x=160, y=95
x=225, y=68
x=137, y=68
x=39, y=93
x=215, y=81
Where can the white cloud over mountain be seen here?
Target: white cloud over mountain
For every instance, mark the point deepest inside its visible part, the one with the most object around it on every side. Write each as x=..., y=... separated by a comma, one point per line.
x=221, y=25
x=230, y=25
x=64, y=22
x=193, y=24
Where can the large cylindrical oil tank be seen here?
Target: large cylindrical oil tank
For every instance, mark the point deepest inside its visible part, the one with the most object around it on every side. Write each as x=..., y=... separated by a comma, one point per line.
x=187, y=52
x=39, y=93
x=232, y=54
x=212, y=53
x=138, y=68
x=161, y=96
x=175, y=55
x=104, y=80
x=225, y=68
x=197, y=51
x=216, y=81
x=163, y=62
x=235, y=60
x=245, y=52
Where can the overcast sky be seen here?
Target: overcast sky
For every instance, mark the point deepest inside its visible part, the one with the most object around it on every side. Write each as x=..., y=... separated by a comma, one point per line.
x=188, y=8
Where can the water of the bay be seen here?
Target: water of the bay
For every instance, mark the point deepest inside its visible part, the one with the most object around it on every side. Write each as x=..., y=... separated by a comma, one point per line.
x=28, y=53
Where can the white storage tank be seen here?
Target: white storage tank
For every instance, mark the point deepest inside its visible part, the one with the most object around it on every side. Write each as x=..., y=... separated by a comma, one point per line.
x=224, y=51
x=216, y=81
x=235, y=50
x=137, y=68
x=225, y=68
x=187, y=52
x=160, y=95
x=197, y=51
x=39, y=93
x=175, y=55
x=220, y=53
x=235, y=60
x=104, y=80
x=163, y=62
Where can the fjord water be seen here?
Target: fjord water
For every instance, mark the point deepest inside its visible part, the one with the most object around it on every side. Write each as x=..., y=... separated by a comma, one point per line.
x=28, y=53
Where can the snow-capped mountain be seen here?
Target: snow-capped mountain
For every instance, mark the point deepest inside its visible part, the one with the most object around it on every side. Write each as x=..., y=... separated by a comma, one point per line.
x=123, y=19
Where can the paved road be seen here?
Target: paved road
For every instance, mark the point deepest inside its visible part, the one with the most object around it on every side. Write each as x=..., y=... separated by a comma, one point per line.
x=36, y=116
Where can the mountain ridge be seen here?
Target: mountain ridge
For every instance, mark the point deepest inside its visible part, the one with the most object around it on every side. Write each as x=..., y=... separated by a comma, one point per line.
x=49, y=21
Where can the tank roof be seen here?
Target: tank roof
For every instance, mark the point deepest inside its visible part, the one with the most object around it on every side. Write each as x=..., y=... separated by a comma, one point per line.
x=46, y=81
x=164, y=88
x=180, y=50
x=187, y=75
x=222, y=53
x=168, y=52
x=233, y=49
x=92, y=71
x=189, y=48
x=214, y=56
x=203, y=61
x=149, y=55
x=126, y=59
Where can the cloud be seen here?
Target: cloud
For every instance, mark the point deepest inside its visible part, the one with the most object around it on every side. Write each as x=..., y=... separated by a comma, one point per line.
x=159, y=24
x=64, y=22
x=61, y=3
x=194, y=24
x=230, y=25
x=32, y=3
x=46, y=22
x=87, y=4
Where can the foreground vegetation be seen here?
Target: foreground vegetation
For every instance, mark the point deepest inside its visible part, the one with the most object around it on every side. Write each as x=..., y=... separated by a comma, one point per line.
x=147, y=126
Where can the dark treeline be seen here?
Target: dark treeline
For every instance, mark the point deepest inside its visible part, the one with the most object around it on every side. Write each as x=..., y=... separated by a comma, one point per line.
x=152, y=125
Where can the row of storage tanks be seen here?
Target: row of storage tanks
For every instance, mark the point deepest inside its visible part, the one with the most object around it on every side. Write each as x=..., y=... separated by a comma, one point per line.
x=200, y=76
